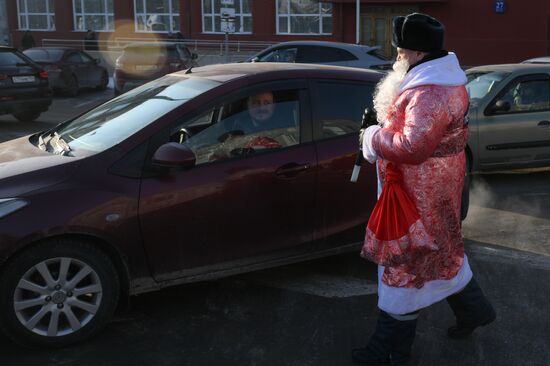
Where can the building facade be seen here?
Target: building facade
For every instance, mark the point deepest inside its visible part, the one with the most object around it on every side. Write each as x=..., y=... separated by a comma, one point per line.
x=479, y=31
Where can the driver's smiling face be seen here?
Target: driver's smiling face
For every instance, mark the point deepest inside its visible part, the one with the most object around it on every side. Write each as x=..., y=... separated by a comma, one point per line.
x=260, y=106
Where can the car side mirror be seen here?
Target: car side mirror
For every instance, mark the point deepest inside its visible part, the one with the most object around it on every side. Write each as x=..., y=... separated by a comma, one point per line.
x=194, y=56
x=500, y=106
x=255, y=59
x=173, y=155
x=97, y=61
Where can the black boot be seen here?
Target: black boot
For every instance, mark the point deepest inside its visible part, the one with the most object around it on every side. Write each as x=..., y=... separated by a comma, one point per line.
x=391, y=342
x=472, y=310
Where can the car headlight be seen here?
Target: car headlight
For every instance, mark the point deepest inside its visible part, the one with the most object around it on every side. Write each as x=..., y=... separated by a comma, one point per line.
x=10, y=205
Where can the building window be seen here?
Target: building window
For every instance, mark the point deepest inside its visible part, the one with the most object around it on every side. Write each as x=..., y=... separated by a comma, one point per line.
x=211, y=16
x=97, y=15
x=304, y=17
x=36, y=14
x=159, y=16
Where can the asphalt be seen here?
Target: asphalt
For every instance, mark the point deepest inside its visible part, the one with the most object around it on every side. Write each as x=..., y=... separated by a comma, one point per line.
x=247, y=320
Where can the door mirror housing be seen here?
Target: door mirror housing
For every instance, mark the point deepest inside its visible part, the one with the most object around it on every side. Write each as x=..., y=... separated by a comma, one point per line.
x=173, y=155
x=194, y=56
x=255, y=59
x=97, y=61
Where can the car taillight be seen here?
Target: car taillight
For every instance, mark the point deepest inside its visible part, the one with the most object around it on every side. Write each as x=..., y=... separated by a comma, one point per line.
x=3, y=76
x=43, y=74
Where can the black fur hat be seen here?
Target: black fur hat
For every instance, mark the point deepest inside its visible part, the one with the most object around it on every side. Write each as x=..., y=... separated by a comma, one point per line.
x=418, y=32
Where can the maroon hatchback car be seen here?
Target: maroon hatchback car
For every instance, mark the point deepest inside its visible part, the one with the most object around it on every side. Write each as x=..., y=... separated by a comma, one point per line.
x=167, y=184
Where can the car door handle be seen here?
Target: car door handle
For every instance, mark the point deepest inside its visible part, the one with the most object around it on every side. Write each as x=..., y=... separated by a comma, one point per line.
x=291, y=170
x=544, y=123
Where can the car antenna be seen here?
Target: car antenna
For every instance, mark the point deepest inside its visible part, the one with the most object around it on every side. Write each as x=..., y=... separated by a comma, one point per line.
x=188, y=71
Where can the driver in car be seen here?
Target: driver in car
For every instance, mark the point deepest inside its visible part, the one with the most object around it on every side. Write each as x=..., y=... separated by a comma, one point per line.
x=243, y=138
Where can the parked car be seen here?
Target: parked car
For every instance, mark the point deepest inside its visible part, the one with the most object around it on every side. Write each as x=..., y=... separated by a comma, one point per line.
x=156, y=188
x=509, y=116
x=143, y=62
x=24, y=90
x=537, y=60
x=328, y=53
x=70, y=69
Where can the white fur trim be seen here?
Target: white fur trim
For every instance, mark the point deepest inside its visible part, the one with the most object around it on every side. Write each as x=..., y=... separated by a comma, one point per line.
x=404, y=300
x=444, y=71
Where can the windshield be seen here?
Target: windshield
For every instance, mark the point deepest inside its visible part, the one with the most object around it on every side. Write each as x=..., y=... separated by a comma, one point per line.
x=44, y=55
x=119, y=118
x=481, y=83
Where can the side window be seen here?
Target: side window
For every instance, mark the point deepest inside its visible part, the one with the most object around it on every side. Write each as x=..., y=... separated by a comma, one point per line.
x=261, y=122
x=74, y=58
x=339, y=107
x=308, y=54
x=527, y=96
x=87, y=59
x=280, y=55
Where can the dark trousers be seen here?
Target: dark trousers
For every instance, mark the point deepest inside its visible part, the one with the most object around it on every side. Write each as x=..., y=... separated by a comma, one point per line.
x=394, y=338
x=471, y=307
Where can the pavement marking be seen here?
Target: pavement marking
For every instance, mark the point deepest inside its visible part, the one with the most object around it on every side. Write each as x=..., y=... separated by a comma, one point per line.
x=321, y=285
x=508, y=229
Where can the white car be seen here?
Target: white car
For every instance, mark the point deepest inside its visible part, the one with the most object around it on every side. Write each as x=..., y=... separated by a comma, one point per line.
x=328, y=53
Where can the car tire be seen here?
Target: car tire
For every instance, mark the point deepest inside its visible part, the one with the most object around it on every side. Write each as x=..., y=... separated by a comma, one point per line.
x=57, y=293
x=26, y=116
x=103, y=82
x=72, y=87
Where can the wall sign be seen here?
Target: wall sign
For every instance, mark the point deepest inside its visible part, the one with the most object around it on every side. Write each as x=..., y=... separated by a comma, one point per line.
x=500, y=6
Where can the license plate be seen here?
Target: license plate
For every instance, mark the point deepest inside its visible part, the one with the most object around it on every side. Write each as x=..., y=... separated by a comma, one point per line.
x=146, y=67
x=23, y=79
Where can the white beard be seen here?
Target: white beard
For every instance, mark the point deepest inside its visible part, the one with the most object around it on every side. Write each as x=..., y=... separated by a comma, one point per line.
x=388, y=89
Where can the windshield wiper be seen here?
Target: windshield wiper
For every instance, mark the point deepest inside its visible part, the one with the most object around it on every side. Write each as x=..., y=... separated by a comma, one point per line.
x=55, y=142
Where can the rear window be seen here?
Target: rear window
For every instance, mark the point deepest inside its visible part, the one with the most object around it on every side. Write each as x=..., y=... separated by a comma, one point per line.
x=378, y=54
x=11, y=59
x=44, y=55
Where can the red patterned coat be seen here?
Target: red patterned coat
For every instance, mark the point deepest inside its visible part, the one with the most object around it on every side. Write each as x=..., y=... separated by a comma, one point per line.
x=425, y=136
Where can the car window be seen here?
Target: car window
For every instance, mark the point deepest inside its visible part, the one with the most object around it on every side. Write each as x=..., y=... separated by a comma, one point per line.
x=481, y=84
x=315, y=54
x=74, y=58
x=86, y=58
x=527, y=96
x=339, y=106
x=11, y=59
x=280, y=55
x=378, y=54
x=119, y=118
x=260, y=122
x=44, y=55
x=184, y=52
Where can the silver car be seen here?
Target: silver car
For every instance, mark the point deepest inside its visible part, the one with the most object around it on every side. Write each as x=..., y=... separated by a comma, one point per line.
x=509, y=116
x=327, y=53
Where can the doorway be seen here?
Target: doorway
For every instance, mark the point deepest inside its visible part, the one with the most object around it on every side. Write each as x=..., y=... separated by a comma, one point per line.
x=376, y=26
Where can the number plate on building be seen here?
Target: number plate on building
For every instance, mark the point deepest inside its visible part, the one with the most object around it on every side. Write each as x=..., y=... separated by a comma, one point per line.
x=23, y=79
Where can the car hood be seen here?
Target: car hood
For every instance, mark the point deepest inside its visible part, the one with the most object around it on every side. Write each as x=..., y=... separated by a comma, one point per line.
x=24, y=167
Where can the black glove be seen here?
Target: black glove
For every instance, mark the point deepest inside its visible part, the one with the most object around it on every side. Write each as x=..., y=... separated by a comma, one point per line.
x=369, y=118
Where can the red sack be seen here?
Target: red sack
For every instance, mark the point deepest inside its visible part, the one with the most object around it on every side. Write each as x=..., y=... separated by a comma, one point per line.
x=395, y=234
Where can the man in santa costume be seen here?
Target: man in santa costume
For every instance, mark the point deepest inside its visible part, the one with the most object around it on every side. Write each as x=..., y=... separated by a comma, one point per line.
x=421, y=107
